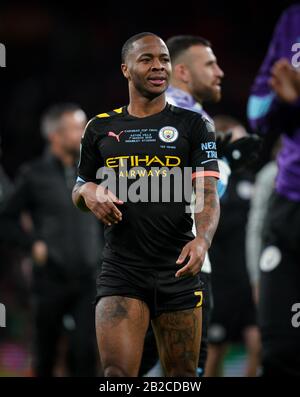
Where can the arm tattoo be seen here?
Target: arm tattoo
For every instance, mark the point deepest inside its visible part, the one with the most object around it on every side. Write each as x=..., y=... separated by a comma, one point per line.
x=207, y=220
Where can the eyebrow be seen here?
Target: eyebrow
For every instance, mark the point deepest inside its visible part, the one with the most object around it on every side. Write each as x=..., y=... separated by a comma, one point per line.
x=210, y=61
x=146, y=54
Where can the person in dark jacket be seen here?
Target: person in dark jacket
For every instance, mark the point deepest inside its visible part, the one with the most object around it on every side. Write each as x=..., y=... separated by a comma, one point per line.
x=65, y=245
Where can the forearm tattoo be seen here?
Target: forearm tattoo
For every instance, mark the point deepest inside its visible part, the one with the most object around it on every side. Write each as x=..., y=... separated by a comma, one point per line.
x=206, y=221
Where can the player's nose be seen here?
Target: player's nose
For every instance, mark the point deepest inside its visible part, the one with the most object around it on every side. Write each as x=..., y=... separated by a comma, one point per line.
x=157, y=65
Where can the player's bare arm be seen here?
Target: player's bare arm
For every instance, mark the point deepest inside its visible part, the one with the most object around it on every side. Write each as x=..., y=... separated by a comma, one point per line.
x=91, y=197
x=206, y=223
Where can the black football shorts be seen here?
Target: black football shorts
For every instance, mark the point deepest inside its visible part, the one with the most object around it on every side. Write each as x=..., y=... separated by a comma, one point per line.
x=156, y=286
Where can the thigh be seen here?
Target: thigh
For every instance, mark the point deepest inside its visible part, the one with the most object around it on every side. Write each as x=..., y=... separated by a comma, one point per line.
x=178, y=336
x=150, y=354
x=121, y=325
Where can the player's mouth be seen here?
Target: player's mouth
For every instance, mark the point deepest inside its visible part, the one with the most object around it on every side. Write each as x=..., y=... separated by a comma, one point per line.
x=157, y=80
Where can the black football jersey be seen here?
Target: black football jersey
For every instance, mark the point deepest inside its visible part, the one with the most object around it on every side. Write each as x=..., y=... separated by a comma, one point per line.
x=154, y=228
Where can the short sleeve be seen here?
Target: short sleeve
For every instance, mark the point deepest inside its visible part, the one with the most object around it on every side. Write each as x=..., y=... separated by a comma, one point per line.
x=90, y=158
x=203, y=157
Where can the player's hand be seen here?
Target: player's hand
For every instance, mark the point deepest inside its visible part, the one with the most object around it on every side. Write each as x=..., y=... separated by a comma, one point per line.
x=102, y=203
x=195, y=250
x=285, y=81
x=39, y=252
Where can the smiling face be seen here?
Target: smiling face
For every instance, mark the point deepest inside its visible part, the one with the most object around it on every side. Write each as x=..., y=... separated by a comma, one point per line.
x=148, y=67
x=201, y=74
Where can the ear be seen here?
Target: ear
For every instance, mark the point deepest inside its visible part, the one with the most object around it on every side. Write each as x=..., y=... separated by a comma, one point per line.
x=181, y=73
x=125, y=71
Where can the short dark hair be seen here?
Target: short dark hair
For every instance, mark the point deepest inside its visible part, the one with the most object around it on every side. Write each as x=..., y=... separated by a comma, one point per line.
x=53, y=114
x=178, y=44
x=128, y=44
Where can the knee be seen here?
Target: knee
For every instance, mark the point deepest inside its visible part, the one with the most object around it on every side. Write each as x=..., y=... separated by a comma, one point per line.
x=114, y=371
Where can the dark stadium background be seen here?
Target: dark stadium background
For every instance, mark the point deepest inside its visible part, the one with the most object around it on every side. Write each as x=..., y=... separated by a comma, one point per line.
x=59, y=52
x=71, y=52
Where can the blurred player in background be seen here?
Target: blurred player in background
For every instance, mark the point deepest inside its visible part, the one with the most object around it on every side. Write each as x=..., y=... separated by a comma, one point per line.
x=233, y=317
x=65, y=246
x=274, y=108
x=196, y=79
x=263, y=189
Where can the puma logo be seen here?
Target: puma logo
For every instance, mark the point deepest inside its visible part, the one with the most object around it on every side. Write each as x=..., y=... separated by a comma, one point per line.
x=114, y=135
